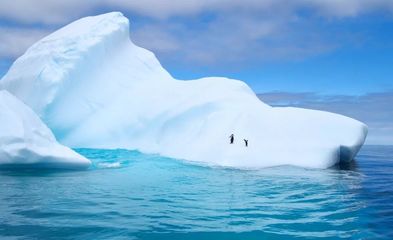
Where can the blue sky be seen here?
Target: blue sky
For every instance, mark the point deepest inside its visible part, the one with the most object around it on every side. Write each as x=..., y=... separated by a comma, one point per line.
x=289, y=48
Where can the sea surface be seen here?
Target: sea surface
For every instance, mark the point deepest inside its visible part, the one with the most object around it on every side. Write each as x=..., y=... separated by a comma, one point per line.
x=130, y=195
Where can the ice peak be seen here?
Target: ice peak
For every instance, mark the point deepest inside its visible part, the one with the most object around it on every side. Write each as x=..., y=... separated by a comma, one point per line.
x=60, y=57
x=100, y=25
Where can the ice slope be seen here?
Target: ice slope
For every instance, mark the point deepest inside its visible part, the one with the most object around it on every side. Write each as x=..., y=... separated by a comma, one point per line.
x=25, y=141
x=94, y=88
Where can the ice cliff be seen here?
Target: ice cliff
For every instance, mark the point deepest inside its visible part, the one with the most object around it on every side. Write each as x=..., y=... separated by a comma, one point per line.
x=25, y=141
x=94, y=88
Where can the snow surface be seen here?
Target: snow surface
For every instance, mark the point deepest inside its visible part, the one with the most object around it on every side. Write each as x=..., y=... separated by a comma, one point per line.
x=94, y=88
x=26, y=142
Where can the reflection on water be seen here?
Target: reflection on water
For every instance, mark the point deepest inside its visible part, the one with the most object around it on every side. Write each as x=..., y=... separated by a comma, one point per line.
x=131, y=195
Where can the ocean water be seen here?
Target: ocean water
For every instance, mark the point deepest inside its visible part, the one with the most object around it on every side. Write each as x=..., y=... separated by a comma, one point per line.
x=130, y=195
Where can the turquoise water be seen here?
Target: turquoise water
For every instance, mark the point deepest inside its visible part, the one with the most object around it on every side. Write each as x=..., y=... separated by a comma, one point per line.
x=129, y=195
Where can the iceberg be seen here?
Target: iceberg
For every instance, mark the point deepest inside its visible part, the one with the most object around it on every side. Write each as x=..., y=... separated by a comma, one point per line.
x=95, y=88
x=26, y=142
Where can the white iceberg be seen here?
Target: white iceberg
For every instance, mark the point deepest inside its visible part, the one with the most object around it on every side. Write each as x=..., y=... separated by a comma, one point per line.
x=25, y=141
x=94, y=88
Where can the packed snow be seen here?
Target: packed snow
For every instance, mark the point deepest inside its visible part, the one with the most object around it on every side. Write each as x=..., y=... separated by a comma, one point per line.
x=94, y=88
x=25, y=141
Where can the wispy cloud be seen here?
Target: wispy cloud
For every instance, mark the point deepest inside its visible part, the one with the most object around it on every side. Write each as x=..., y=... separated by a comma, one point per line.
x=52, y=11
x=14, y=41
x=374, y=109
x=47, y=12
x=209, y=32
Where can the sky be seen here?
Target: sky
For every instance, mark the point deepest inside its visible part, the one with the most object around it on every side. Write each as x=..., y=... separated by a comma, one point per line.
x=322, y=54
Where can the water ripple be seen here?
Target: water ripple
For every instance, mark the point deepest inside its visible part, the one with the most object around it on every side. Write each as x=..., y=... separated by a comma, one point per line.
x=129, y=195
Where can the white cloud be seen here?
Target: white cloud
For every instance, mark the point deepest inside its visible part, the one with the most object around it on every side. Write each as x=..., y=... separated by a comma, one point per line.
x=349, y=8
x=163, y=8
x=58, y=12
x=14, y=41
x=156, y=38
x=233, y=39
x=335, y=8
x=241, y=30
x=48, y=12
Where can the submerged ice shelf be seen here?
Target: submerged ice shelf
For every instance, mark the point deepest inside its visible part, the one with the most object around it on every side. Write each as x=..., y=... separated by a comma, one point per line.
x=94, y=88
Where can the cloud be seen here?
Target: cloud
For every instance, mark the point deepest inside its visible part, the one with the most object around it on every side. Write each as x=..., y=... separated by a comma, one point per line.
x=325, y=8
x=54, y=12
x=206, y=32
x=349, y=8
x=233, y=39
x=374, y=109
x=14, y=41
x=48, y=12
x=156, y=38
